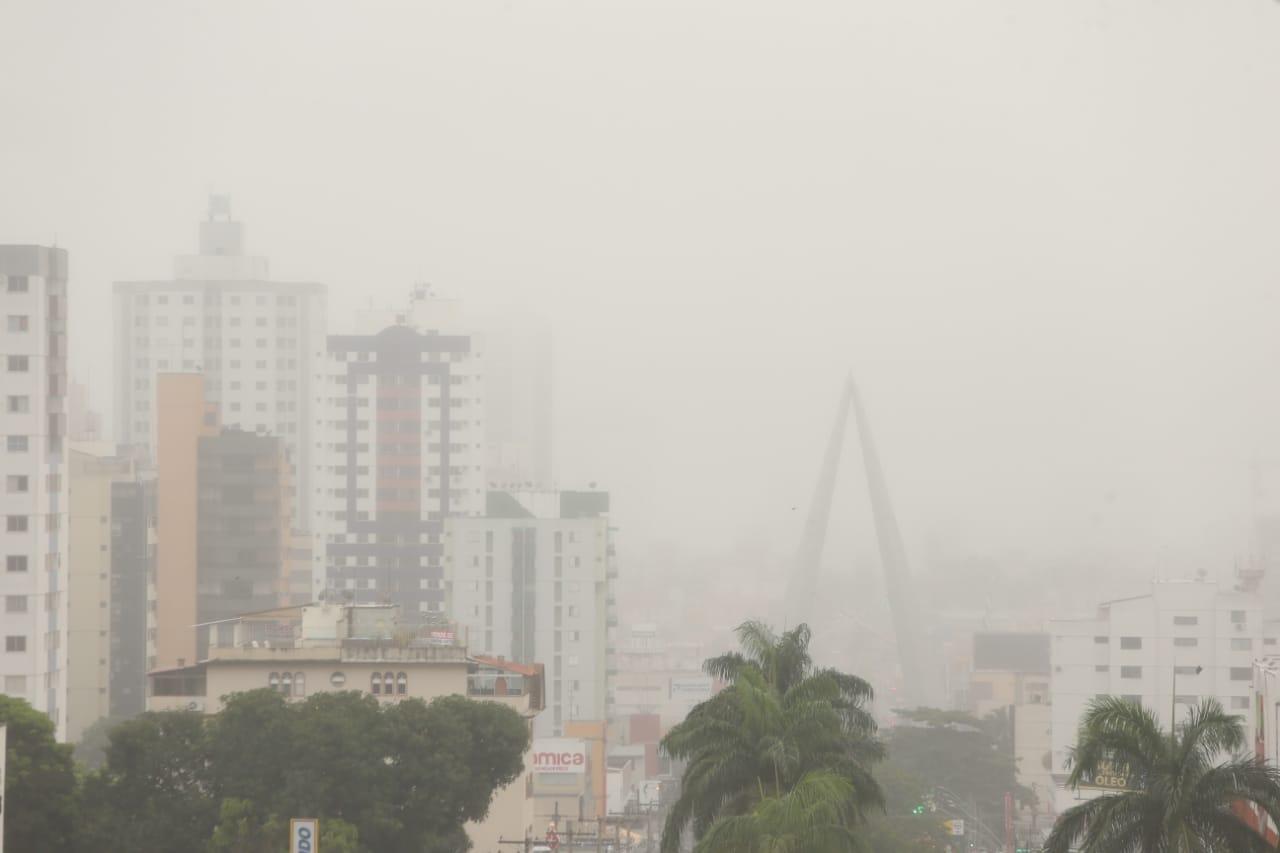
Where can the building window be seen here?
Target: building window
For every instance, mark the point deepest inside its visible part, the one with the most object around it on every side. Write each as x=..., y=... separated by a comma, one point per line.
x=1185, y=642
x=388, y=683
x=286, y=683
x=15, y=523
x=375, y=684
x=17, y=483
x=18, y=323
x=1186, y=620
x=19, y=364
x=1241, y=644
x=15, y=563
x=1237, y=617
x=18, y=404
x=18, y=284
x=1186, y=670
x=1101, y=640
x=15, y=643
x=1241, y=673
x=1130, y=642
x=402, y=683
x=338, y=679
x=15, y=685
x=1239, y=703
x=1130, y=672
x=299, y=684
x=1102, y=668
x=16, y=443
x=273, y=681
x=15, y=604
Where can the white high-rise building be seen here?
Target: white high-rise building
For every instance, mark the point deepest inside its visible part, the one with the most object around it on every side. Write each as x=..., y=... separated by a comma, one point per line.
x=400, y=450
x=33, y=491
x=533, y=582
x=1182, y=642
x=259, y=344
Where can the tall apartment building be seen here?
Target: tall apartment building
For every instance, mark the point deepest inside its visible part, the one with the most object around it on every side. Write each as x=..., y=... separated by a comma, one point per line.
x=133, y=561
x=1168, y=649
x=243, y=539
x=533, y=582
x=95, y=470
x=400, y=450
x=33, y=500
x=223, y=528
x=258, y=343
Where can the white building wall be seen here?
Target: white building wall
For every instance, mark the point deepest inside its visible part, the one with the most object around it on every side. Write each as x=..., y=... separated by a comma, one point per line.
x=1133, y=647
x=567, y=593
x=33, y=485
x=369, y=451
x=259, y=344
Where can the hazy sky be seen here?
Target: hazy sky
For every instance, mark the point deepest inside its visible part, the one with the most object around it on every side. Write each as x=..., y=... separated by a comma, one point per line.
x=1043, y=234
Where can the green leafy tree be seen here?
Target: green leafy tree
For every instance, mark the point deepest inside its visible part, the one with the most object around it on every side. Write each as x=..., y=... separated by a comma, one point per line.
x=901, y=828
x=152, y=795
x=969, y=757
x=1182, y=795
x=780, y=720
x=399, y=778
x=90, y=751
x=40, y=782
x=241, y=829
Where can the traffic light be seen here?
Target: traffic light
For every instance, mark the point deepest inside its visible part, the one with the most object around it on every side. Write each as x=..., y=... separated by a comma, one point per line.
x=918, y=809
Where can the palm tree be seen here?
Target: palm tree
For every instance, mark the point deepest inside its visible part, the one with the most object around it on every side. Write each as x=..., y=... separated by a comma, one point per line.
x=778, y=721
x=1180, y=797
x=813, y=817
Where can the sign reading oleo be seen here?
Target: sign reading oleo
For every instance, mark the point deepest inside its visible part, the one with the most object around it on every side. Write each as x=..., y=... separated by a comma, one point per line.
x=1108, y=776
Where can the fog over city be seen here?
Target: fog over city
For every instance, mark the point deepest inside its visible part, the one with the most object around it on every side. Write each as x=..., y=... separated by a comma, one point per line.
x=1040, y=236
x=678, y=426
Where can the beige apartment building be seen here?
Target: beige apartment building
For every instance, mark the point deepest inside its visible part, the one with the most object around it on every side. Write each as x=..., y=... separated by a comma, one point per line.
x=94, y=469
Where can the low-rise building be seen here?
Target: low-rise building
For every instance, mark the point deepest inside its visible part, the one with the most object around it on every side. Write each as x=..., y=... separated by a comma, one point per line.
x=320, y=648
x=1182, y=642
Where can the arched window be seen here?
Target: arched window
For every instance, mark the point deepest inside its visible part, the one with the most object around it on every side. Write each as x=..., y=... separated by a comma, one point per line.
x=299, y=684
x=375, y=683
x=388, y=683
x=338, y=679
x=286, y=684
x=273, y=681
x=402, y=683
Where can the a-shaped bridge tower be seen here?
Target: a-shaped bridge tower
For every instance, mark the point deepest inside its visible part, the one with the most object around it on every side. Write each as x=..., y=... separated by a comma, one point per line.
x=802, y=589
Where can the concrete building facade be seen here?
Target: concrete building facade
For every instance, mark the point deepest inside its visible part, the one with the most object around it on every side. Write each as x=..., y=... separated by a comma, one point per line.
x=94, y=470
x=401, y=449
x=1168, y=649
x=133, y=563
x=533, y=582
x=33, y=492
x=259, y=344
x=243, y=514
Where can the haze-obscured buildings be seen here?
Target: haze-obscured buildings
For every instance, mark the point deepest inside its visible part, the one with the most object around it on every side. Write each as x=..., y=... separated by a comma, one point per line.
x=401, y=449
x=532, y=581
x=1182, y=642
x=33, y=495
x=224, y=534
x=258, y=343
